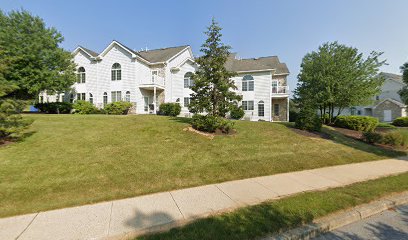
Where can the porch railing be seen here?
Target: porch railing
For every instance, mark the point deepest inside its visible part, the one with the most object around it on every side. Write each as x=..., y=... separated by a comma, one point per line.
x=280, y=90
x=155, y=80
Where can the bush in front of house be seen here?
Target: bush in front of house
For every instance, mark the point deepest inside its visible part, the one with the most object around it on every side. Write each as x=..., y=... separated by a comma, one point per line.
x=12, y=123
x=307, y=119
x=358, y=123
x=209, y=123
x=117, y=108
x=396, y=138
x=401, y=122
x=170, y=109
x=237, y=112
x=84, y=107
x=373, y=137
x=54, y=107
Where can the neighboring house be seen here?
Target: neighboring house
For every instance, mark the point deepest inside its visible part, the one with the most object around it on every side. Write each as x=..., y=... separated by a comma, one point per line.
x=387, y=105
x=151, y=77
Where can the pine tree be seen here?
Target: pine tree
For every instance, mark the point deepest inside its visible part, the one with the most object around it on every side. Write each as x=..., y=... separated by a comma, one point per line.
x=213, y=87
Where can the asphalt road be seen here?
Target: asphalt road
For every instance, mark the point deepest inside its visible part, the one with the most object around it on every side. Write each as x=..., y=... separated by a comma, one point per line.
x=390, y=225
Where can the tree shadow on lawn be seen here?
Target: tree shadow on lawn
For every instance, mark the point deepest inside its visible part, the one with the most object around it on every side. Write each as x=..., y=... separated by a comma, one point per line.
x=245, y=223
x=337, y=137
x=12, y=140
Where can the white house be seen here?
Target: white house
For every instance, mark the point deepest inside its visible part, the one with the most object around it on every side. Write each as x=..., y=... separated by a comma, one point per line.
x=387, y=105
x=148, y=78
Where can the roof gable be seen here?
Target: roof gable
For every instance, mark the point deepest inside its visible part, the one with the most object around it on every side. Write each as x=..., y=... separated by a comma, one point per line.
x=161, y=55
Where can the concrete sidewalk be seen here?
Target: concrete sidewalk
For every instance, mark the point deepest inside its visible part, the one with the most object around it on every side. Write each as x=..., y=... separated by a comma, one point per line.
x=125, y=218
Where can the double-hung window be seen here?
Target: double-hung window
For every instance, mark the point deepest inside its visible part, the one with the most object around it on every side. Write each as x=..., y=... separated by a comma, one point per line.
x=116, y=96
x=116, y=72
x=248, y=105
x=248, y=83
x=81, y=75
x=188, y=82
x=186, y=101
x=261, y=109
x=80, y=96
x=105, y=98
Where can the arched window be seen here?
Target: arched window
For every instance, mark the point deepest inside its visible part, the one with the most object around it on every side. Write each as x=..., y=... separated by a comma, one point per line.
x=81, y=75
x=188, y=82
x=90, y=98
x=261, y=109
x=127, y=96
x=247, y=83
x=116, y=72
x=105, y=98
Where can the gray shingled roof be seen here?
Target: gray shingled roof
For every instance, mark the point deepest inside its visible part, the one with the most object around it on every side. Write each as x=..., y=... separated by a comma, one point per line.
x=160, y=55
x=92, y=53
x=392, y=76
x=255, y=64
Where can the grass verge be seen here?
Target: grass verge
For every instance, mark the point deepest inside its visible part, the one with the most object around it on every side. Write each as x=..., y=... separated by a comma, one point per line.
x=272, y=217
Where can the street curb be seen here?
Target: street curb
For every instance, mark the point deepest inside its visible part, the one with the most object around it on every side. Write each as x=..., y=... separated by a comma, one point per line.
x=339, y=219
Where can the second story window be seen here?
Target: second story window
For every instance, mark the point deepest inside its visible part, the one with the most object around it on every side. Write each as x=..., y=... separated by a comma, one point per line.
x=81, y=75
x=247, y=83
x=116, y=73
x=154, y=76
x=188, y=82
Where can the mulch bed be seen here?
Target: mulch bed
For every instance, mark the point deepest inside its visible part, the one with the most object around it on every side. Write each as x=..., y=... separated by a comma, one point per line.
x=311, y=134
x=350, y=133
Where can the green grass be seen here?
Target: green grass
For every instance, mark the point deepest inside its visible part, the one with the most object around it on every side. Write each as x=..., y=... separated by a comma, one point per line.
x=272, y=217
x=72, y=160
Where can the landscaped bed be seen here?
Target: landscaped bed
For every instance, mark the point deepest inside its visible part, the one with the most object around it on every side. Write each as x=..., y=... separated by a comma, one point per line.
x=77, y=159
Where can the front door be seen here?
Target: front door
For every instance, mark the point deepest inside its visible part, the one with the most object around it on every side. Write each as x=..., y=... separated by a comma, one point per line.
x=387, y=115
x=146, y=104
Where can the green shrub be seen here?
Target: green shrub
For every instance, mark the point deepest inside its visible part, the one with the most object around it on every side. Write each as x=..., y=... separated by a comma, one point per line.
x=11, y=122
x=373, y=137
x=307, y=119
x=237, y=112
x=401, y=122
x=170, y=109
x=54, y=107
x=84, y=107
x=393, y=138
x=358, y=123
x=118, y=108
x=385, y=125
x=208, y=123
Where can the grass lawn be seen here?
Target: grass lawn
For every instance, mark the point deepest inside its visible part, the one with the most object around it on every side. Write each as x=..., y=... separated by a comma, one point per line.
x=272, y=217
x=72, y=159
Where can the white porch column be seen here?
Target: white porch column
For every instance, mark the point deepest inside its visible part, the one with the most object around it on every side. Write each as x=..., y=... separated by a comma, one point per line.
x=287, y=110
x=154, y=100
x=271, y=111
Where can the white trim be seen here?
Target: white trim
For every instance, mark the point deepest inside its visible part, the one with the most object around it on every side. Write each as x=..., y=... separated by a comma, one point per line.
x=400, y=104
x=178, y=54
x=87, y=53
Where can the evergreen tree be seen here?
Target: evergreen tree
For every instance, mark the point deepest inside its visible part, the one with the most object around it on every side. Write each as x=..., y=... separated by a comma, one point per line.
x=212, y=81
x=404, y=91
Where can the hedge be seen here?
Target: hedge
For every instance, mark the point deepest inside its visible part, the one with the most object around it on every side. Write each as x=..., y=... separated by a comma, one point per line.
x=401, y=122
x=84, y=107
x=54, y=107
x=358, y=123
x=208, y=123
x=118, y=108
x=170, y=109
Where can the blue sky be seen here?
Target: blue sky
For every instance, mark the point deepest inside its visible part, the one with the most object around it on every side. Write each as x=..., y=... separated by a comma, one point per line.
x=288, y=29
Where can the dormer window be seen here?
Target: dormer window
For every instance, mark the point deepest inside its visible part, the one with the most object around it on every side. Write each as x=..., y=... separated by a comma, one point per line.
x=116, y=72
x=81, y=75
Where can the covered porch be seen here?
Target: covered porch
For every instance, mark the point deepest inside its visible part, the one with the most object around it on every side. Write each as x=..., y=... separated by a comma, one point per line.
x=153, y=96
x=280, y=109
